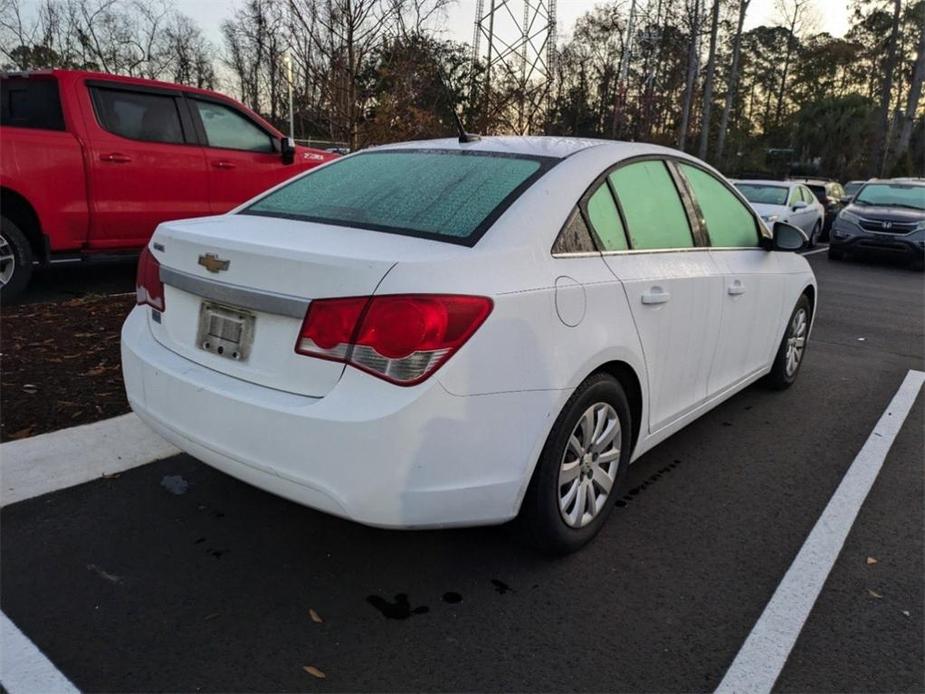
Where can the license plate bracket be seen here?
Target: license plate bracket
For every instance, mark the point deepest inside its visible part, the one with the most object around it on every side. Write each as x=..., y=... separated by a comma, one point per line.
x=226, y=331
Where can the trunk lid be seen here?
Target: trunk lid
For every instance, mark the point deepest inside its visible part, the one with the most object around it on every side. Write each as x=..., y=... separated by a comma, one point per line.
x=264, y=272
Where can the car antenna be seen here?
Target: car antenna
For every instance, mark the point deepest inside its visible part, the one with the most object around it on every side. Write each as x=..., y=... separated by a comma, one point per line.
x=464, y=137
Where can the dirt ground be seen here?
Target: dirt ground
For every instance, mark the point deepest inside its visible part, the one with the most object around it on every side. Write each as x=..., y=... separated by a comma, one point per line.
x=60, y=365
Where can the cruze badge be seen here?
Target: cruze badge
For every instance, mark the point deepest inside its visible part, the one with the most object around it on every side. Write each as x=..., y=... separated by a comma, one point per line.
x=213, y=263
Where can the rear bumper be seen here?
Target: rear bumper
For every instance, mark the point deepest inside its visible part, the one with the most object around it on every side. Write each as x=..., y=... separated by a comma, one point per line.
x=368, y=451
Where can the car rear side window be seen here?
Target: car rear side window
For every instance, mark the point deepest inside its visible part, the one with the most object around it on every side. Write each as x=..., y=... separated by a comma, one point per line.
x=139, y=115
x=229, y=130
x=445, y=195
x=604, y=217
x=654, y=214
x=574, y=237
x=30, y=103
x=729, y=222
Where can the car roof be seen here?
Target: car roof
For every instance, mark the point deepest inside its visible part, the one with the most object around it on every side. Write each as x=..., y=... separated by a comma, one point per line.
x=765, y=182
x=539, y=146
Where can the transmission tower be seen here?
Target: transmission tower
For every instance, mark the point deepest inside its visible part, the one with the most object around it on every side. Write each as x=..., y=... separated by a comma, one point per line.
x=515, y=41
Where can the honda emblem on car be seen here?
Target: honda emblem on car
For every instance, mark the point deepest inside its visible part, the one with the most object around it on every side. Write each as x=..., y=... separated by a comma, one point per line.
x=886, y=225
x=213, y=263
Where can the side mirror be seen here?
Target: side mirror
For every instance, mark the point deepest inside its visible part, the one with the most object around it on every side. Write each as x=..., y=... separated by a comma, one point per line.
x=287, y=149
x=786, y=237
x=799, y=205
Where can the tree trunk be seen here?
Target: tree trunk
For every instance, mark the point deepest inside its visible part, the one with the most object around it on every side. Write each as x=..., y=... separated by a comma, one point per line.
x=886, y=90
x=708, y=85
x=797, y=8
x=733, y=82
x=693, y=59
x=912, y=102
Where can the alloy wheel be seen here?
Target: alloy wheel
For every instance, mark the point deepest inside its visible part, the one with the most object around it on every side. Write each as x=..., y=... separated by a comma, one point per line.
x=796, y=341
x=7, y=261
x=589, y=465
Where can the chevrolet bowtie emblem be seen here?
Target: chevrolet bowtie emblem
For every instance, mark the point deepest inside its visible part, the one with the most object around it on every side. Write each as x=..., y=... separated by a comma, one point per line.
x=213, y=263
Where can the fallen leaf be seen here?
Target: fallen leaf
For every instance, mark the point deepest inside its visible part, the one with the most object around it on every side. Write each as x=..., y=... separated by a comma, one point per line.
x=874, y=594
x=871, y=561
x=29, y=388
x=23, y=433
x=906, y=613
x=314, y=672
x=316, y=618
x=111, y=476
x=211, y=616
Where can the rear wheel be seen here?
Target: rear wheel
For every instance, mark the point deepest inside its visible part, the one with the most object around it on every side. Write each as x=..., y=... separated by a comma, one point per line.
x=581, y=469
x=15, y=260
x=792, y=347
x=814, y=235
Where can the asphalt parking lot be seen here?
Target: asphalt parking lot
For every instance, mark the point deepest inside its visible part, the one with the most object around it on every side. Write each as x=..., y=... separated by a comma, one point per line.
x=127, y=585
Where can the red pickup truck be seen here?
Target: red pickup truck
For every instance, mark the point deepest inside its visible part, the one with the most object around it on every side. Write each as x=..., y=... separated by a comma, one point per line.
x=91, y=163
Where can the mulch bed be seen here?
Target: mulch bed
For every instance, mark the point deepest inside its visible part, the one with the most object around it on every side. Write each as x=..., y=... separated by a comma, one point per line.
x=60, y=364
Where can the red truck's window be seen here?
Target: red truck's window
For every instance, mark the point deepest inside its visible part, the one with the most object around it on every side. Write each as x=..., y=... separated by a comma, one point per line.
x=229, y=130
x=30, y=103
x=138, y=116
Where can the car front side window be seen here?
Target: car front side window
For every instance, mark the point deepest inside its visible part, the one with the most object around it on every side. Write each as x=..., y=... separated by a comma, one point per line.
x=227, y=129
x=655, y=216
x=730, y=224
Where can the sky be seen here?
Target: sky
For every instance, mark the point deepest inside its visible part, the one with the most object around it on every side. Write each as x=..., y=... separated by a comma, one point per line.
x=832, y=16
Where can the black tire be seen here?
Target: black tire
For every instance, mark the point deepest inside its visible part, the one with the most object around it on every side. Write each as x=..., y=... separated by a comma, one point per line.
x=20, y=254
x=780, y=376
x=540, y=522
x=836, y=253
x=813, y=236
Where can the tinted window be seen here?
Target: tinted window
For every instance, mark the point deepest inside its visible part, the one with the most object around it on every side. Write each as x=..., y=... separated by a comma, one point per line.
x=761, y=194
x=228, y=129
x=729, y=223
x=139, y=115
x=444, y=195
x=574, y=237
x=652, y=207
x=602, y=212
x=30, y=103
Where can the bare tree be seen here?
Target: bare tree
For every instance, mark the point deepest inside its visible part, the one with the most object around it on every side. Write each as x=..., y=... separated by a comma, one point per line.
x=693, y=12
x=912, y=99
x=796, y=16
x=708, y=84
x=732, y=81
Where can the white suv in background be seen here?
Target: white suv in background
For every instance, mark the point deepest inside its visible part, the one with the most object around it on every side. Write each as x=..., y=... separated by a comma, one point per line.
x=786, y=201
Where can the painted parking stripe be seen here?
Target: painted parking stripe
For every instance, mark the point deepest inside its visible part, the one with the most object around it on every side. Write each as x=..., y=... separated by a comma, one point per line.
x=23, y=667
x=764, y=653
x=816, y=250
x=42, y=464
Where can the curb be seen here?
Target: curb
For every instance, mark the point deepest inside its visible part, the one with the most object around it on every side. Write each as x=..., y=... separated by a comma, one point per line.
x=60, y=459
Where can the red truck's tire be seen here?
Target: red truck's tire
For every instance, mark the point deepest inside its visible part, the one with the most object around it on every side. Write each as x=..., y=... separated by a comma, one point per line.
x=15, y=260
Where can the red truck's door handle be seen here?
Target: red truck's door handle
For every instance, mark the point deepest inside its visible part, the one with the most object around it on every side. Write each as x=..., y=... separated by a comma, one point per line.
x=115, y=157
x=221, y=164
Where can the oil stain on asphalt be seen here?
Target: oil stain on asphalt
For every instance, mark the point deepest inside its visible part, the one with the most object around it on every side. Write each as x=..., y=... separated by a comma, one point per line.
x=400, y=609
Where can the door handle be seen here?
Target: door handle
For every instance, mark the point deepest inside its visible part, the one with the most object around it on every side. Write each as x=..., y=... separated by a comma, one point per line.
x=221, y=164
x=116, y=158
x=655, y=296
x=736, y=288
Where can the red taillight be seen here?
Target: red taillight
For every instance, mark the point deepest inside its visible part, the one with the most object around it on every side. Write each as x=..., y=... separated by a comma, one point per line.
x=402, y=338
x=148, y=286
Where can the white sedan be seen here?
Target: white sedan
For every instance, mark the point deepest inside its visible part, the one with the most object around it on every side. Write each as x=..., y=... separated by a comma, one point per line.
x=786, y=201
x=446, y=333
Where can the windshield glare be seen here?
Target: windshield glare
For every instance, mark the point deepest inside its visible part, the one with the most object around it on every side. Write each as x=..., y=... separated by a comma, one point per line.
x=892, y=194
x=762, y=194
x=445, y=195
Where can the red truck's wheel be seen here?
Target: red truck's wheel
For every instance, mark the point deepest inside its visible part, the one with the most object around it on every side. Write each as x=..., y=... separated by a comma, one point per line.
x=15, y=260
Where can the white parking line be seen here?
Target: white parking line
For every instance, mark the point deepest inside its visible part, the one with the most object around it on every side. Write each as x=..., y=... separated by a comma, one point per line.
x=23, y=667
x=42, y=464
x=816, y=250
x=764, y=653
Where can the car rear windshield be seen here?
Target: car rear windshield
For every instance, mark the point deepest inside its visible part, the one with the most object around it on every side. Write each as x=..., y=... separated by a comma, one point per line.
x=763, y=195
x=892, y=195
x=439, y=194
x=30, y=103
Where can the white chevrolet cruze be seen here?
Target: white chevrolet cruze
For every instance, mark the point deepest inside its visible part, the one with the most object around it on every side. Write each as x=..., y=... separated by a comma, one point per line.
x=460, y=333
